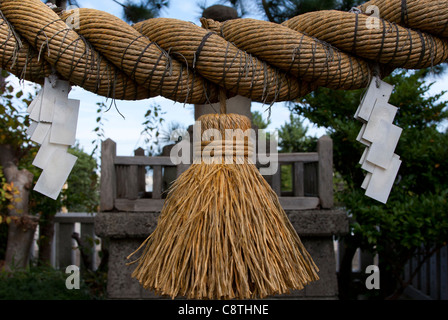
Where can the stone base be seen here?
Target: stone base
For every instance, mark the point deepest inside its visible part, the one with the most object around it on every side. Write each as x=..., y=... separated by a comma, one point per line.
x=126, y=231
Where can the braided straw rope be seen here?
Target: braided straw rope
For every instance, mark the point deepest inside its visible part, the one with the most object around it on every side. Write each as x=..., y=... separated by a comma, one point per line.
x=21, y=60
x=389, y=44
x=143, y=60
x=66, y=51
x=207, y=52
x=263, y=61
x=227, y=148
x=294, y=52
x=428, y=16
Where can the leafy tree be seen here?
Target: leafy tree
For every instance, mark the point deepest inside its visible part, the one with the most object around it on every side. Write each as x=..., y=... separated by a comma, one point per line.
x=280, y=10
x=15, y=156
x=82, y=193
x=274, y=10
x=134, y=11
x=415, y=218
x=293, y=136
x=258, y=121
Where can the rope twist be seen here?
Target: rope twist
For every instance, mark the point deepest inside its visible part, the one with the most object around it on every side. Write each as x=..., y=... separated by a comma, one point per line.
x=263, y=61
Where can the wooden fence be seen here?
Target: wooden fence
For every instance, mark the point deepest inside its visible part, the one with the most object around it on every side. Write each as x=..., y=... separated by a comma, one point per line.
x=429, y=283
x=64, y=251
x=124, y=187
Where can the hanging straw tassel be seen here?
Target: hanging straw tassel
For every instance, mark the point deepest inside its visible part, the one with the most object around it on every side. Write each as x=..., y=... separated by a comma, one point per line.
x=222, y=232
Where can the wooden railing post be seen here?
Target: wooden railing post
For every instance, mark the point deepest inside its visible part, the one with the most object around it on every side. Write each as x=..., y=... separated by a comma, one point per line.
x=141, y=172
x=277, y=181
x=325, y=171
x=64, y=244
x=108, y=177
x=157, y=182
x=298, y=179
x=88, y=240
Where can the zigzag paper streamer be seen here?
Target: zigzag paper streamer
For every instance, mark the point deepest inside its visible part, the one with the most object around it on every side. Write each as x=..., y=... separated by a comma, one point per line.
x=380, y=136
x=54, y=121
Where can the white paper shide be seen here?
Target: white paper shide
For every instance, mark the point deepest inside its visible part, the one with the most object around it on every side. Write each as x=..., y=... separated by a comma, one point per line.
x=54, y=120
x=380, y=136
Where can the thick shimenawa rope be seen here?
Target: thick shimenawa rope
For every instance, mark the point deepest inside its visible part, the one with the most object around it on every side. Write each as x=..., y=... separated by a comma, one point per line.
x=186, y=63
x=428, y=16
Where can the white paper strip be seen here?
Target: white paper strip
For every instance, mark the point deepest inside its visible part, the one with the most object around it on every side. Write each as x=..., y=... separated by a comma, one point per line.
x=366, y=181
x=40, y=132
x=383, y=92
x=56, y=90
x=46, y=151
x=35, y=107
x=31, y=128
x=55, y=118
x=65, y=121
x=55, y=174
x=382, y=149
x=34, y=102
x=382, y=112
x=381, y=182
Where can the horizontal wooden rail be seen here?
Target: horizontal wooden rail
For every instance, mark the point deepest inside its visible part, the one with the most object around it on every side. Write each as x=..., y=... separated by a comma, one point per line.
x=143, y=161
x=123, y=178
x=166, y=161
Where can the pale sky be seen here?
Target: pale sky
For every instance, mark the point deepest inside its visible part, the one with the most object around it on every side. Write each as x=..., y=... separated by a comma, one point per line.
x=126, y=132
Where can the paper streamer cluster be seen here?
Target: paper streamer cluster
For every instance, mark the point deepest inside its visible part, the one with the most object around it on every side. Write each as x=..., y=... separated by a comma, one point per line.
x=380, y=136
x=54, y=121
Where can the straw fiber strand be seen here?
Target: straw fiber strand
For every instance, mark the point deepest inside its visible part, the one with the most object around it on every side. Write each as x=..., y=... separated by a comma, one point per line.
x=426, y=15
x=70, y=55
x=18, y=57
x=257, y=59
x=294, y=52
x=221, y=62
x=389, y=44
x=144, y=61
x=223, y=234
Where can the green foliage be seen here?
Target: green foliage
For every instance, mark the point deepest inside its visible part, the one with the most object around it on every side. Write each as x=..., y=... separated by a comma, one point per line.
x=293, y=136
x=39, y=283
x=143, y=9
x=99, y=129
x=280, y=10
x=82, y=194
x=14, y=121
x=152, y=128
x=415, y=215
x=258, y=121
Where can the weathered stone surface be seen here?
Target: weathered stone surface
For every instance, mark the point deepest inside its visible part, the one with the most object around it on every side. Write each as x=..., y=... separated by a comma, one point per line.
x=125, y=224
x=141, y=224
x=319, y=222
x=127, y=231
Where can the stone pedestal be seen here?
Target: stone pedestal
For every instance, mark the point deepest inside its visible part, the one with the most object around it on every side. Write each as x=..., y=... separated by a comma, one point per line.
x=127, y=230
